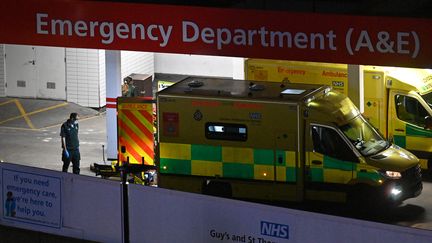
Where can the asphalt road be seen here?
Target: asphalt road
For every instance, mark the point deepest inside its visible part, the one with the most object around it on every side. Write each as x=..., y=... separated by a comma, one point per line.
x=414, y=212
x=42, y=147
x=30, y=132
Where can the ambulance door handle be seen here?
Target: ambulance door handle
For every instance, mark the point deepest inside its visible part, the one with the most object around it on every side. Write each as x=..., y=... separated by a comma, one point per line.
x=400, y=130
x=316, y=162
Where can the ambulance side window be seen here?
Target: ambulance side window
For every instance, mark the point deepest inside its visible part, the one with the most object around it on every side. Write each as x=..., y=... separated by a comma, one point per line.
x=226, y=131
x=328, y=142
x=410, y=110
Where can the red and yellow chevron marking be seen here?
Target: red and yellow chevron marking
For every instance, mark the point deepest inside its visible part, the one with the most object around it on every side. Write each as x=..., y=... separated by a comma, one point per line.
x=135, y=132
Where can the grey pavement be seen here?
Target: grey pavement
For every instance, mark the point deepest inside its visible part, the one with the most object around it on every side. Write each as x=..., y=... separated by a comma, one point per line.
x=40, y=146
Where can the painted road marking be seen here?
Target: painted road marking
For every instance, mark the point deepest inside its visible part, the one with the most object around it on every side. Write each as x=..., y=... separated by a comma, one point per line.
x=26, y=115
x=48, y=108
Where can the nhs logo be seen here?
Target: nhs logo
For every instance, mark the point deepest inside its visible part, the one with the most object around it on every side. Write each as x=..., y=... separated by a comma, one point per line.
x=275, y=230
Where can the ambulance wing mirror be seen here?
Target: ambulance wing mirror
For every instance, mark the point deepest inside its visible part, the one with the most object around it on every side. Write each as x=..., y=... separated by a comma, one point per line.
x=428, y=123
x=390, y=140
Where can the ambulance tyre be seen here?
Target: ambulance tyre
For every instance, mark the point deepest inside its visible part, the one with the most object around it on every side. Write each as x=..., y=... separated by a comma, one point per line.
x=362, y=197
x=217, y=188
x=354, y=197
x=428, y=172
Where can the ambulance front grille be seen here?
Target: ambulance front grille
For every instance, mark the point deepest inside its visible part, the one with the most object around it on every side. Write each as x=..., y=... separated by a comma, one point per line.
x=412, y=173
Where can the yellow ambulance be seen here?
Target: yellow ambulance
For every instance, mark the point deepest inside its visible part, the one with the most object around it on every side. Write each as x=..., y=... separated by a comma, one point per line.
x=397, y=101
x=276, y=142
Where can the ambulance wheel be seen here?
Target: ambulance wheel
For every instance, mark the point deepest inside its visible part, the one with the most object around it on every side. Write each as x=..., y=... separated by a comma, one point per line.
x=362, y=198
x=354, y=197
x=217, y=188
x=428, y=171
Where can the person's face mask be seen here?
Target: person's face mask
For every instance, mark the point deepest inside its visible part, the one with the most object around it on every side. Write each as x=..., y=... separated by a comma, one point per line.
x=75, y=121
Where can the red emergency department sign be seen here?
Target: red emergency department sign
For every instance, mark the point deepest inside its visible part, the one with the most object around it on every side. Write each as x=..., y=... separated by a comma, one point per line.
x=214, y=31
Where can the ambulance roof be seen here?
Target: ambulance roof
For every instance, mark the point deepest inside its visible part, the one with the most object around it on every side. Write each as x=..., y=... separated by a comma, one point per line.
x=412, y=78
x=242, y=89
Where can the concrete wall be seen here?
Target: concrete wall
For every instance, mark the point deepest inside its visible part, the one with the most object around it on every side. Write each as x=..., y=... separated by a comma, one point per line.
x=2, y=71
x=137, y=62
x=86, y=78
x=83, y=76
x=198, y=65
x=85, y=70
x=102, y=79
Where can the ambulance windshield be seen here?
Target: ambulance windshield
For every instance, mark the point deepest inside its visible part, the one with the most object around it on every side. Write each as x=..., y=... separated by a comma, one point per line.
x=428, y=98
x=364, y=137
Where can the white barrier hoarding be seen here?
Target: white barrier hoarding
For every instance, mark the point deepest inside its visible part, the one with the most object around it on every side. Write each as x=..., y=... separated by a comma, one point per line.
x=160, y=215
x=32, y=198
x=90, y=208
x=60, y=203
x=93, y=206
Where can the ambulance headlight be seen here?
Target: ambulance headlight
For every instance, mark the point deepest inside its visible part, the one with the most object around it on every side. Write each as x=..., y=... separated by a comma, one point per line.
x=395, y=191
x=392, y=174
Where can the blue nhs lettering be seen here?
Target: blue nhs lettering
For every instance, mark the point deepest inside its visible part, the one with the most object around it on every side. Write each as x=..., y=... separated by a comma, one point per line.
x=275, y=230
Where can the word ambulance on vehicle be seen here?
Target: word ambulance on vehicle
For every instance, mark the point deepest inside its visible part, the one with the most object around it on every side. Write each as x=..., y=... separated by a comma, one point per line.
x=276, y=141
x=397, y=101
